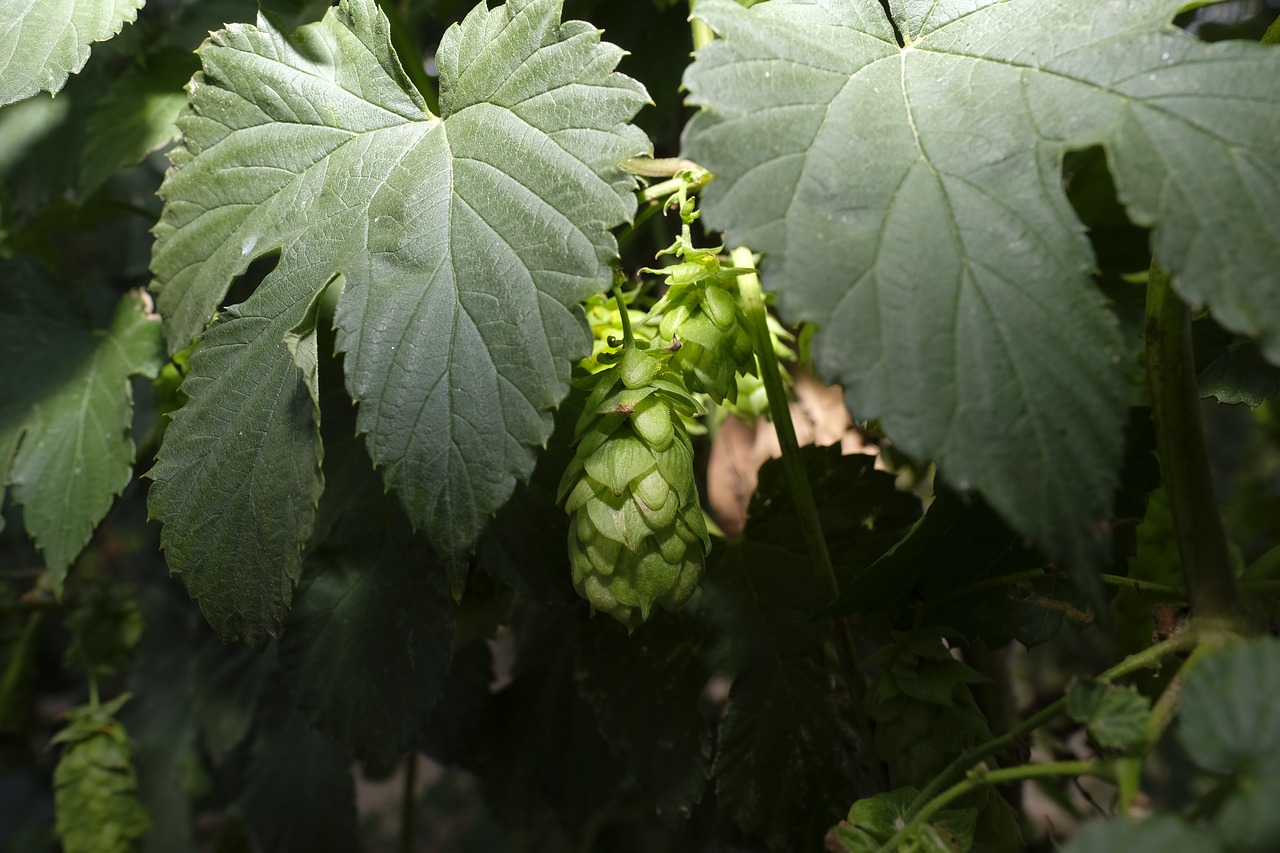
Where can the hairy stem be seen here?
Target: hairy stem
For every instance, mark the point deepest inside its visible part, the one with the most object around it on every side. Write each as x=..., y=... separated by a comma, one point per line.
x=1141, y=587
x=980, y=777
x=802, y=492
x=619, y=277
x=1148, y=657
x=1184, y=461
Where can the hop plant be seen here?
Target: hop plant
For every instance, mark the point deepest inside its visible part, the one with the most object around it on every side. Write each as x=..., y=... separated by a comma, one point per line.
x=711, y=330
x=636, y=533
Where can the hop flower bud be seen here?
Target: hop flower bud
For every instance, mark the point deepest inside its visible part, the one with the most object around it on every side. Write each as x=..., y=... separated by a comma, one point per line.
x=636, y=533
x=715, y=340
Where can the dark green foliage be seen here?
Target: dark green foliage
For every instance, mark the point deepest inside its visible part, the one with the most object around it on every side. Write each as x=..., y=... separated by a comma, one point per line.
x=298, y=791
x=663, y=737
x=372, y=256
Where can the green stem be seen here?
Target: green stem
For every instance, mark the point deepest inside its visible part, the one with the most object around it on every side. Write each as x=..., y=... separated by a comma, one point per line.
x=771, y=374
x=1144, y=659
x=665, y=167
x=18, y=660
x=619, y=277
x=1141, y=587
x=802, y=493
x=978, y=778
x=407, y=802
x=1184, y=462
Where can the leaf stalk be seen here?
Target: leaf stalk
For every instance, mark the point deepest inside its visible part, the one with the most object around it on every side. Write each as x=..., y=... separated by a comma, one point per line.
x=1184, y=461
x=1149, y=657
x=802, y=491
x=982, y=776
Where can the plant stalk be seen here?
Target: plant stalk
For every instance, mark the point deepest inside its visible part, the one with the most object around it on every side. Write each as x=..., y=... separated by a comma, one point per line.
x=1148, y=657
x=1184, y=462
x=980, y=777
x=619, y=277
x=802, y=492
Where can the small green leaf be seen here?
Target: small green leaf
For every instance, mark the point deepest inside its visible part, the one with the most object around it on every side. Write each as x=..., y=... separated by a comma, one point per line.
x=784, y=761
x=1248, y=821
x=543, y=757
x=1228, y=723
x=66, y=405
x=781, y=705
x=1116, y=717
x=95, y=785
x=43, y=42
x=459, y=721
x=761, y=591
x=922, y=707
x=1232, y=370
x=227, y=686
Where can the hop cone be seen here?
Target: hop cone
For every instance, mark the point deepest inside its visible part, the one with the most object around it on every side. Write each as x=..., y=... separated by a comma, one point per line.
x=636, y=534
x=715, y=340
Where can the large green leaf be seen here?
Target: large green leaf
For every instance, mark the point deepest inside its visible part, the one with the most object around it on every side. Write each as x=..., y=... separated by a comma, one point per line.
x=909, y=198
x=1229, y=724
x=1157, y=835
x=464, y=240
x=298, y=794
x=646, y=689
x=66, y=405
x=366, y=649
x=44, y=41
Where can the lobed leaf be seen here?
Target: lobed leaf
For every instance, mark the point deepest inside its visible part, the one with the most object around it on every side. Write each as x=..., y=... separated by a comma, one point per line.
x=42, y=42
x=366, y=649
x=298, y=794
x=137, y=115
x=909, y=198
x=66, y=406
x=464, y=242
x=645, y=689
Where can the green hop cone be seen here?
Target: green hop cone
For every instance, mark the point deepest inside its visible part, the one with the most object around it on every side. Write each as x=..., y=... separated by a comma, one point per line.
x=715, y=339
x=636, y=532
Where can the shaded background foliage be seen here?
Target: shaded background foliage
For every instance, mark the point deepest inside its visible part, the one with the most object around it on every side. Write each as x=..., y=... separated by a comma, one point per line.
x=543, y=728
